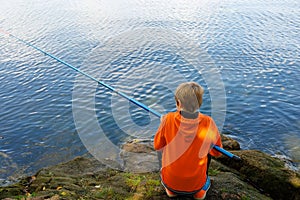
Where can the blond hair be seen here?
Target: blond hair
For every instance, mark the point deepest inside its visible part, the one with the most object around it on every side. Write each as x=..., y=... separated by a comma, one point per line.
x=190, y=95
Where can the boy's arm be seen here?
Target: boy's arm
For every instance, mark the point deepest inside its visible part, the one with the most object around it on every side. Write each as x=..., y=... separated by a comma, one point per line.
x=159, y=139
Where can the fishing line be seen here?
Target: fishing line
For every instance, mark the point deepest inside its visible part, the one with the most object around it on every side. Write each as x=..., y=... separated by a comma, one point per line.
x=221, y=150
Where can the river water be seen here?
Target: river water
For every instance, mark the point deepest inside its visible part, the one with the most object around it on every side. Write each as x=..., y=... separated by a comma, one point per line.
x=244, y=53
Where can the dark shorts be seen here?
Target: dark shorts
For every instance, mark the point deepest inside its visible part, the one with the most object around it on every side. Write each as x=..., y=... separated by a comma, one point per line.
x=205, y=187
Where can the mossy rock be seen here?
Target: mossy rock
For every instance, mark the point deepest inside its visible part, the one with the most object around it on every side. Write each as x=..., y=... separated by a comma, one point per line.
x=267, y=173
x=227, y=185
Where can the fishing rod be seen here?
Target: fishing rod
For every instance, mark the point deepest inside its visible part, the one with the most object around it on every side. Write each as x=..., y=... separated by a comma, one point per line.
x=219, y=149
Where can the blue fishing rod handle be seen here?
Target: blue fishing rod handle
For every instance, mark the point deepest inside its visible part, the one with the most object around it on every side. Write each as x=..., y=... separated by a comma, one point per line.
x=227, y=153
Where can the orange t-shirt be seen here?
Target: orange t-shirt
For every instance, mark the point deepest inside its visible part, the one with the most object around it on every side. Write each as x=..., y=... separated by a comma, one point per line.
x=185, y=144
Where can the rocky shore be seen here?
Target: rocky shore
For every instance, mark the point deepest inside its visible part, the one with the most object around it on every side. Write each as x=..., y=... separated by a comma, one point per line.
x=256, y=176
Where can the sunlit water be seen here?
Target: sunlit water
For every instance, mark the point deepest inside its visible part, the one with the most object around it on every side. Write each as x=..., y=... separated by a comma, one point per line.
x=253, y=45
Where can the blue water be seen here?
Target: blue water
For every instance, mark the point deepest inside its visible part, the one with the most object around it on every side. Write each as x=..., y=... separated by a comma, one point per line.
x=253, y=45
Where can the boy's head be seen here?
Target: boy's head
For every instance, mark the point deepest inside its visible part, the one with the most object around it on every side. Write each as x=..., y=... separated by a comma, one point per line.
x=189, y=96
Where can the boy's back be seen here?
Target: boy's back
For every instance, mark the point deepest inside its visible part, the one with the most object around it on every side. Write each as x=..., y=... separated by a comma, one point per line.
x=186, y=144
x=186, y=138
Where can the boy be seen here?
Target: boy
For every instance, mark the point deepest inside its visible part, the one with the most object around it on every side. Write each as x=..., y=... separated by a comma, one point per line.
x=186, y=138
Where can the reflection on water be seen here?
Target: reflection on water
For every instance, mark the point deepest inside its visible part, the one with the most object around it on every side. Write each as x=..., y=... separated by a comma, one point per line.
x=254, y=46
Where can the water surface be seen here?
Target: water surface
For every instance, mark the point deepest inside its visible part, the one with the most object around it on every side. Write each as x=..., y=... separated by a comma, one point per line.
x=254, y=46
